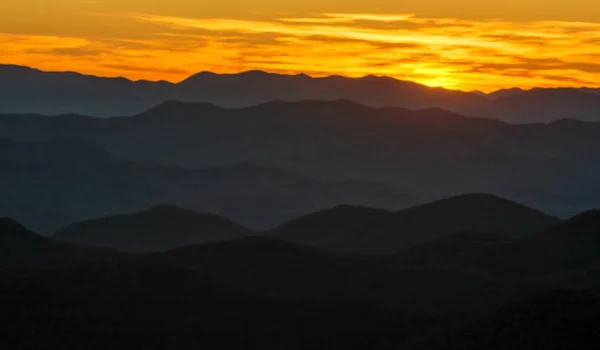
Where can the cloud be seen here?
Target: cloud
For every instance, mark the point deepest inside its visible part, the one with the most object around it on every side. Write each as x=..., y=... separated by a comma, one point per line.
x=455, y=53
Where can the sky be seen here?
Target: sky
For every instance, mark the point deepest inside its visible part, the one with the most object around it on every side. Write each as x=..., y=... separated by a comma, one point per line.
x=459, y=44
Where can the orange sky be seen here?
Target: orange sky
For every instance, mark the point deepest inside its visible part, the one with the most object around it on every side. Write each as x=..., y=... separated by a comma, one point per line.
x=461, y=44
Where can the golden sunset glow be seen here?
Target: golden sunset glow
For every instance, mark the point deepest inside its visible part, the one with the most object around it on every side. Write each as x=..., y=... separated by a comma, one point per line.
x=455, y=50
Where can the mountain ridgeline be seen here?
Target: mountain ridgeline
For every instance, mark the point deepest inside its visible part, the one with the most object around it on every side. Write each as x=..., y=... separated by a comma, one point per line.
x=27, y=90
x=343, y=228
x=376, y=231
x=159, y=228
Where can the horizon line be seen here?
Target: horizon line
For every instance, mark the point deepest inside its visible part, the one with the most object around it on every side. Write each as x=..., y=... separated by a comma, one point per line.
x=287, y=75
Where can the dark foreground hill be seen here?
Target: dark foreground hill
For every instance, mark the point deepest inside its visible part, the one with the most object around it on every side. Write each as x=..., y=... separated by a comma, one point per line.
x=553, y=320
x=129, y=304
x=367, y=231
x=159, y=228
x=566, y=255
x=478, y=290
x=20, y=247
x=332, y=228
x=271, y=267
x=572, y=244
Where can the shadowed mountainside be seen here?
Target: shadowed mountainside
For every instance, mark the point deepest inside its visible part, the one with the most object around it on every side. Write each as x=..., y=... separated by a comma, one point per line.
x=367, y=231
x=127, y=304
x=564, y=255
x=48, y=185
x=552, y=320
x=20, y=247
x=433, y=153
x=160, y=228
x=259, y=287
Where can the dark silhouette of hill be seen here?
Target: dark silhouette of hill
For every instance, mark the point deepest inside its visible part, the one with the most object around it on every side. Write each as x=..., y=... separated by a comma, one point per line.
x=128, y=304
x=27, y=90
x=271, y=267
x=506, y=92
x=159, y=228
x=551, y=320
x=543, y=105
x=328, y=228
x=20, y=247
x=269, y=292
x=50, y=184
x=471, y=212
x=583, y=226
x=566, y=255
x=361, y=231
x=465, y=249
x=423, y=155
x=572, y=244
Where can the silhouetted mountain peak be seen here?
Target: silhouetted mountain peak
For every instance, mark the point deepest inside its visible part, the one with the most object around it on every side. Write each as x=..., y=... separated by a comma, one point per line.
x=593, y=214
x=203, y=73
x=10, y=226
x=505, y=92
x=477, y=204
x=588, y=218
x=252, y=75
x=584, y=224
x=383, y=78
x=174, y=212
x=9, y=70
x=478, y=212
x=257, y=74
x=159, y=228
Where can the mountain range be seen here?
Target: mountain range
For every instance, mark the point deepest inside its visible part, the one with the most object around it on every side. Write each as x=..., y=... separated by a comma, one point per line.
x=457, y=290
x=49, y=184
x=379, y=157
x=342, y=228
x=27, y=90
x=270, y=211
x=367, y=230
